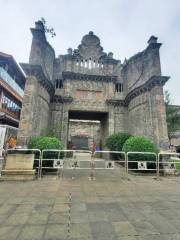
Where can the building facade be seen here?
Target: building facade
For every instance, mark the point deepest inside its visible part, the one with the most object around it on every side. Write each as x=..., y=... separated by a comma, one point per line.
x=12, y=83
x=89, y=84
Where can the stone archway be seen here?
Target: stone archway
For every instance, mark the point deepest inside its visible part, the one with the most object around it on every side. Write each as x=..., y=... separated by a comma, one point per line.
x=86, y=128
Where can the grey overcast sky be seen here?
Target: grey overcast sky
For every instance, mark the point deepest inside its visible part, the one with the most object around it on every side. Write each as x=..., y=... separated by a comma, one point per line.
x=124, y=26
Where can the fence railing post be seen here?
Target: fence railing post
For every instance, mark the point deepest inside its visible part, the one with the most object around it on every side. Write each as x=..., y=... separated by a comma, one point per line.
x=127, y=162
x=92, y=166
x=158, y=166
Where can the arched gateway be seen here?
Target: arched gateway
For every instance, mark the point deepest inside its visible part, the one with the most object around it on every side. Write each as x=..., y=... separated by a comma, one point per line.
x=88, y=84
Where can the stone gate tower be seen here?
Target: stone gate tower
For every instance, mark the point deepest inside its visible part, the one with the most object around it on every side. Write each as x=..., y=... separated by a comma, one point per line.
x=87, y=83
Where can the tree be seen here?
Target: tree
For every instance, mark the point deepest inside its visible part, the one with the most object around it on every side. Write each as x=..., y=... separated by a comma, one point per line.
x=172, y=117
x=47, y=29
x=140, y=144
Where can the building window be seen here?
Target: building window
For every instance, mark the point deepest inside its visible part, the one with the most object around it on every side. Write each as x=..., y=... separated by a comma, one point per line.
x=7, y=103
x=58, y=83
x=119, y=87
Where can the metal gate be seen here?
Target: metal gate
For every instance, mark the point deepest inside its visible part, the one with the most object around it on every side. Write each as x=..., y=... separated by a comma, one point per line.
x=74, y=163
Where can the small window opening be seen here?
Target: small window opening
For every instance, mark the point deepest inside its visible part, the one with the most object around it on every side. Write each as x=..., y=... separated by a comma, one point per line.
x=59, y=83
x=119, y=87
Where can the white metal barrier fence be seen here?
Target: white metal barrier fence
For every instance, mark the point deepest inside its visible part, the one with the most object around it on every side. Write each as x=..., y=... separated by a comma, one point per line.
x=107, y=159
x=99, y=160
x=145, y=164
x=65, y=159
x=53, y=159
x=111, y=160
x=167, y=164
x=81, y=159
x=1, y=159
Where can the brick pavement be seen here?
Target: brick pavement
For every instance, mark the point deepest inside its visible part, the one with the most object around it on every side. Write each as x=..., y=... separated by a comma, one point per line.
x=110, y=207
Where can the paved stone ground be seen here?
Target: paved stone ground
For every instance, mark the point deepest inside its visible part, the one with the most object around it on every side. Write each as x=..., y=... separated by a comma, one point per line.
x=110, y=208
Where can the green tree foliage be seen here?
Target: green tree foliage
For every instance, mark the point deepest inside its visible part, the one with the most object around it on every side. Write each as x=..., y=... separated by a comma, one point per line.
x=116, y=141
x=172, y=116
x=42, y=142
x=140, y=144
x=47, y=29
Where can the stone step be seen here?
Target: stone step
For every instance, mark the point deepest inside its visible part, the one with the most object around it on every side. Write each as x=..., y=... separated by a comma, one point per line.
x=19, y=172
x=19, y=175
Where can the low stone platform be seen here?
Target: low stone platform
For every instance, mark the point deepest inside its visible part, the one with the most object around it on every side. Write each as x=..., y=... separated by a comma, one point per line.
x=18, y=166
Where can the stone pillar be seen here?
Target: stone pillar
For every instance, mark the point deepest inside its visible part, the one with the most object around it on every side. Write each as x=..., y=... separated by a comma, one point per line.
x=104, y=130
x=110, y=122
x=65, y=126
x=57, y=118
x=119, y=115
x=159, y=117
x=60, y=121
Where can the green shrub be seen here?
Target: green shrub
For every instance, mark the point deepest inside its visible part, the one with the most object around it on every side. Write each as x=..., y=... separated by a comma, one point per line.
x=140, y=144
x=42, y=143
x=116, y=141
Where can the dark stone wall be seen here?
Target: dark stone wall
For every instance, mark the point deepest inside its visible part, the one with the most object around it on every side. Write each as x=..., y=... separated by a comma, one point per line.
x=159, y=117
x=35, y=113
x=41, y=51
x=140, y=116
x=147, y=117
x=89, y=77
x=141, y=67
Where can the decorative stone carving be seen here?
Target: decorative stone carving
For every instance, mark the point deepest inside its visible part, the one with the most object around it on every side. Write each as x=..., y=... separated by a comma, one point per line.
x=90, y=48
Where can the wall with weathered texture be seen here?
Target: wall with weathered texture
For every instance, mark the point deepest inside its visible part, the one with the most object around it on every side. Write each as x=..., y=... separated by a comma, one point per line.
x=120, y=119
x=141, y=67
x=27, y=112
x=35, y=113
x=42, y=112
x=92, y=94
x=140, y=116
x=90, y=79
x=41, y=51
x=85, y=128
x=147, y=117
x=159, y=117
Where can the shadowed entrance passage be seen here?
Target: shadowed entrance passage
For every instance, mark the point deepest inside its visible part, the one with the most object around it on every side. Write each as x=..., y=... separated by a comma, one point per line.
x=87, y=129
x=87, y=115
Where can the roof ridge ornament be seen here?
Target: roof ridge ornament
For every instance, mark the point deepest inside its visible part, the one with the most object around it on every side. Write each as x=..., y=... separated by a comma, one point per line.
x=90, y=47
